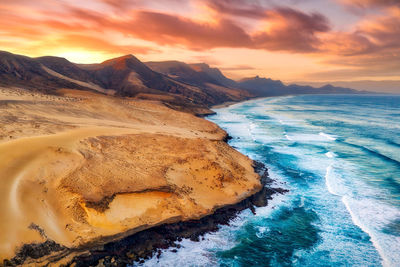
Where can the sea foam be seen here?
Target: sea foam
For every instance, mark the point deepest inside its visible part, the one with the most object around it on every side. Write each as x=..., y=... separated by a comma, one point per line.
x=327, y=136
x=372, y=216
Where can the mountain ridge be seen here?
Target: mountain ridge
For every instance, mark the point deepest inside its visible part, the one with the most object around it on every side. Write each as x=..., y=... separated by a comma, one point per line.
x=177, y=84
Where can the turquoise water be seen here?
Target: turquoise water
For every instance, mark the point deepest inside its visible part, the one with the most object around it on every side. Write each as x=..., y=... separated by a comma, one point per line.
x=339, y=155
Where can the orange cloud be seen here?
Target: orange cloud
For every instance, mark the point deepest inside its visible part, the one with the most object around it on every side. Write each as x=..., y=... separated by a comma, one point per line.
x=373, y=49
x=169, y=29
x=249, y=9
x=371, y=3
x=288, y=30
x=291, y=30
x=97, y=44
x=150, y=26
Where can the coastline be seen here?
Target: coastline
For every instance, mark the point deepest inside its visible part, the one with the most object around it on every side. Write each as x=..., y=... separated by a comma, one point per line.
x=147, y=243
x=226, y=104
x=238, y=177
x=231, y=103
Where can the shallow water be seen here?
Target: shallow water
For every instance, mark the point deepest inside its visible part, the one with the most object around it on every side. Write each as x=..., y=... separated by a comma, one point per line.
x=339, y=155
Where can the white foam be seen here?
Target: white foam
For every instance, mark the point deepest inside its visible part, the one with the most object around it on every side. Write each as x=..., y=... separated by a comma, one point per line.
x=327, y=136
x=307, y=137
x=371, y=216
x=329, y=181
x=261, y=230
x=330, y=154
x=203, y=253
x=266, y=211
x=301, y=202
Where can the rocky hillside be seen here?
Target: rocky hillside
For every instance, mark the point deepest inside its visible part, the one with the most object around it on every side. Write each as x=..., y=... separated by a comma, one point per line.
x=182, y=86
x=122, y=76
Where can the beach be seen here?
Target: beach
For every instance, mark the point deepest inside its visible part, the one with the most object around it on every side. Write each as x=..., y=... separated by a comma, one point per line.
x=82, y=169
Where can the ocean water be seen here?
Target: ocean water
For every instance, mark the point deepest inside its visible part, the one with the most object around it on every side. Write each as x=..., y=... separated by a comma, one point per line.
x=339, y=155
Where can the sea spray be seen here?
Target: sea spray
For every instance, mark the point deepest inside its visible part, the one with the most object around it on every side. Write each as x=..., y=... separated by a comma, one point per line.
x=343, y=207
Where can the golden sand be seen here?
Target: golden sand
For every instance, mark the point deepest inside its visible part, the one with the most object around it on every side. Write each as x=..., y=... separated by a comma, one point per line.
x=87, y=168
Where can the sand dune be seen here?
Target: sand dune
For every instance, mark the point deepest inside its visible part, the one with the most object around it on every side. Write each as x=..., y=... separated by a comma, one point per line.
x=86, y=169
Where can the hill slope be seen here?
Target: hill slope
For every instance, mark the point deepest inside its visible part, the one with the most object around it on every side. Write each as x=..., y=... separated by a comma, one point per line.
x=122, y=76
x=211, y=80
x=187, y=87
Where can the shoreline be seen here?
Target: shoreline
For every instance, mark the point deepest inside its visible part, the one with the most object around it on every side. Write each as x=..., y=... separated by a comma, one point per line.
x=150, y=242
x=48, y=249
x=231, y=103
x=143, y=245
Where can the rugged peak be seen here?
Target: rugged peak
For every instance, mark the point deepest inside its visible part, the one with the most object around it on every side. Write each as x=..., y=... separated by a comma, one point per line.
x=121, y=62
x=200, y=66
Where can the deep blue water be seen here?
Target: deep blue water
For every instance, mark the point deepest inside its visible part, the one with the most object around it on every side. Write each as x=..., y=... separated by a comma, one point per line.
x=339, y=155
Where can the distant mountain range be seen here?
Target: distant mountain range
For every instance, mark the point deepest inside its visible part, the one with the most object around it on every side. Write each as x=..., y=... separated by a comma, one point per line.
x=382, y=86
x=267, y=87
x=178, y=82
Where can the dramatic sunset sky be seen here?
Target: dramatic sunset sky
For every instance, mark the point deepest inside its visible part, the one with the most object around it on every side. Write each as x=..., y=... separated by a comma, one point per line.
x=291, y=40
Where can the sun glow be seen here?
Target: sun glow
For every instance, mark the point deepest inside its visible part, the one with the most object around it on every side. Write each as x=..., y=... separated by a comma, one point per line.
x=84, y=56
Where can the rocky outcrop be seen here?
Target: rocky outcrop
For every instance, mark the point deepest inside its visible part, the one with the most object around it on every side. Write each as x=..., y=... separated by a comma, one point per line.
x=150, y=242
x=82, y=171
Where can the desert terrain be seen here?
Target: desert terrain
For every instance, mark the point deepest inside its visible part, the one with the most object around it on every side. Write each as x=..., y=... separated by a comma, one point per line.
x=81, y=169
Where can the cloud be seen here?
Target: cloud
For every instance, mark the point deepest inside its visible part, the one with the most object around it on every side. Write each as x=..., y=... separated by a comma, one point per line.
x=291, y=30
x=374, y=34
x=372, y=49
x=168, y=29
x=238, y=68
x=288, y=30
x=146, y=26
x=97, y=44
x=250, y=9
x=370, y=3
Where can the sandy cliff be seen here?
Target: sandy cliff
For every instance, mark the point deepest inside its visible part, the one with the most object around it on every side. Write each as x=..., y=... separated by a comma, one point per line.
x=84, y=169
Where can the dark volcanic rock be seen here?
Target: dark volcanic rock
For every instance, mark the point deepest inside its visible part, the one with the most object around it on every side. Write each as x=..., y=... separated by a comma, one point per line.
x=34, y=251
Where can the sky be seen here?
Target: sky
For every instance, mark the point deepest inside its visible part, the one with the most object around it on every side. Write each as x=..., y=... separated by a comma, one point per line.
x=290, y=40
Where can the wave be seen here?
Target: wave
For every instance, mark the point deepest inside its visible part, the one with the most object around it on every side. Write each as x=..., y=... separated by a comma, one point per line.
x=328, y=181
x=334, y=183
x=390, y=142
x=327, y=136
x=330, y=154
x=374, y=153
x=192, y=253
x=288, y=138
x=321, y=137
x=371, y=216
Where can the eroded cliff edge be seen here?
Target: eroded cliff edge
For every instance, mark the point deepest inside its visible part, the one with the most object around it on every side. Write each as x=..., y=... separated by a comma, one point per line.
x=82, y=170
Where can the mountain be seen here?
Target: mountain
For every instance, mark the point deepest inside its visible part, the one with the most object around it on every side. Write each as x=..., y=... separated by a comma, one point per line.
x=122, y=76
x=382, y=86
x=263, y=87
x=128, y=76
x=267, y=87
x=191, y=87
x=206, y=77
x=199, y=74
x=214, y=73
x=17, y=70
x=211, y=80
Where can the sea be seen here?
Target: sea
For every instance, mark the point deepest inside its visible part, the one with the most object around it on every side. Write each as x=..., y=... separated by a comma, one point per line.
x=339, y=157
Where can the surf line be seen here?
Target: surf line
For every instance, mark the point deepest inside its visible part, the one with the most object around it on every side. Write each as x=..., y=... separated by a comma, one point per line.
x=356, y=221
